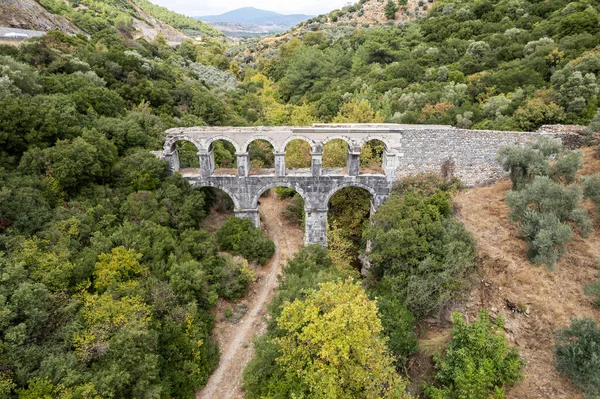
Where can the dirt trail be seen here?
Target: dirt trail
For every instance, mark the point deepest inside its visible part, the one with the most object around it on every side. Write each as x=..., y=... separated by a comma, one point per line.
x=235, y=339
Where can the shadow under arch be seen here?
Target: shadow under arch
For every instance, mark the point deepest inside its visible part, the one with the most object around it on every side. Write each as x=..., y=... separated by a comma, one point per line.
x=234, y=199
x=339, y=187
x=267, y=187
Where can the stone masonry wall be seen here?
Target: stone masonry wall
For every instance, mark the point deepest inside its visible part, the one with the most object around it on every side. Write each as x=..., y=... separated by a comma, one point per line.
x=473, y=151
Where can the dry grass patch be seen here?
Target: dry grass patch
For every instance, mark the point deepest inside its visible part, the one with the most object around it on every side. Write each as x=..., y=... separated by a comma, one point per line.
x=552, y=297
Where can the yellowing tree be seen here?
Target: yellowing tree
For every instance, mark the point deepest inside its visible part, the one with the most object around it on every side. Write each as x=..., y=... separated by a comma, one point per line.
x=104, y=317
x=117, y=268
x=298, y=154
x=332, y=342
x=303, y=115
x=335, y=154
x=274, y=113
x=357, y=112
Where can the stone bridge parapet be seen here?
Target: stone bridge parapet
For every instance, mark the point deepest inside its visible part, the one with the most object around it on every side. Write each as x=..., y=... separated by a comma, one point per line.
x=408, y=149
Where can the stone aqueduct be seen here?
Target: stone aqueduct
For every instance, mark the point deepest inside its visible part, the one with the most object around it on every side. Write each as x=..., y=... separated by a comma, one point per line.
x=408, y=149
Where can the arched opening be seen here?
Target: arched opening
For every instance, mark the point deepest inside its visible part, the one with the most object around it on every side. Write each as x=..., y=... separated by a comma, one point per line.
x=283, y=206
x=371, y=157
x=218, y=205
x=349, y=209
x=262, y=157
x=224, y=158
x=335, y=157
x=188, y=155
x=298, y=156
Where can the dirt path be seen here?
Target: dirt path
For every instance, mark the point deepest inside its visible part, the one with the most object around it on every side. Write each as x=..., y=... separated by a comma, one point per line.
x=235, y=339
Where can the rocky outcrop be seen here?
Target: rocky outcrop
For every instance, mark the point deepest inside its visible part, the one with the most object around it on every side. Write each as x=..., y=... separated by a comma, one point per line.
x=28, y=14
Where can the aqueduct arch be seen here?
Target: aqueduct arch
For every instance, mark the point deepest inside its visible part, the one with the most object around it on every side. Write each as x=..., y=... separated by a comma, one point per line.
x=408, y=149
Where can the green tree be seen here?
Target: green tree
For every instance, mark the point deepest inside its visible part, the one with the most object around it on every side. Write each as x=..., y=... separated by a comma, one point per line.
x=332, y=346
x=478, y=363
x=390, y=9
x=240, y=237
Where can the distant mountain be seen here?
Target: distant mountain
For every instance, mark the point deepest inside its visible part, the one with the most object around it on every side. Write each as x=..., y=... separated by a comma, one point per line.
x=254, y=16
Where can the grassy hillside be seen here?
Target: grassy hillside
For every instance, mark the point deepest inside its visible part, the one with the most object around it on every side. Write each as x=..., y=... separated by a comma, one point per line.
x=551, y=298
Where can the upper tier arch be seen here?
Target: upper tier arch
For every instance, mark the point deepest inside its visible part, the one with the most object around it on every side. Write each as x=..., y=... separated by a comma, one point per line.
x=310, y=142
x=259, y=137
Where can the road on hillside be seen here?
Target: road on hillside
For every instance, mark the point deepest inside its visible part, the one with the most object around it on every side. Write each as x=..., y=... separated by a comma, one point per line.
x=235, y=340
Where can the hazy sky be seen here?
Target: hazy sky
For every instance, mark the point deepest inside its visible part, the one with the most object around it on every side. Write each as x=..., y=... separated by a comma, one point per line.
x=210, y=7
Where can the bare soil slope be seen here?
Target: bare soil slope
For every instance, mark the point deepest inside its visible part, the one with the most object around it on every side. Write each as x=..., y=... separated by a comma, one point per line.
x=552, y=297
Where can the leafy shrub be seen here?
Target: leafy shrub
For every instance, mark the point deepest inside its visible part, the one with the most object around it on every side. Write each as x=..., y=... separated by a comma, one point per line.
x=591, y=190
x=524, y=162
x=294, y=211
x=543, y=210
x=235, y=278
x=535, y=113
x=284, y=192
x=390, y=9
x=593, y=289
x=398, y=326
x=577, y=353
x=426, y=184
x=240, y=237
x=418, y=251
x=478, y=363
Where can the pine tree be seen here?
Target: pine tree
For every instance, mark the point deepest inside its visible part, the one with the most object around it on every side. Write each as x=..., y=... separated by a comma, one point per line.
x=391, y=8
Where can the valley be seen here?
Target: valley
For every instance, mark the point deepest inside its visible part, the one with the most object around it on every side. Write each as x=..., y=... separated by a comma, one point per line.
x=396, y=199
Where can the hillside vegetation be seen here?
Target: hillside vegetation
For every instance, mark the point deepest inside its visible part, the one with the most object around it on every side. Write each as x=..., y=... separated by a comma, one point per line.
x=108, y=280
x=489, y=65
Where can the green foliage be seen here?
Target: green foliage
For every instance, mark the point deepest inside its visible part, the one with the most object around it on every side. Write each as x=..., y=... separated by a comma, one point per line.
x=264, y=376
x=240, y=237
x=591, y=190
x=331, y=346
x=478, y=363
x=81, y=198
x=390, y=9
x=525, y=162
x=399, y=326
x=543, y=209
x=418, y=252
x=349, y=210
x=577, y=353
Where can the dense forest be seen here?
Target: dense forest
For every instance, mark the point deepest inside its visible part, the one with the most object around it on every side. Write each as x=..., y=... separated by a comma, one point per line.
x=109, y=278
